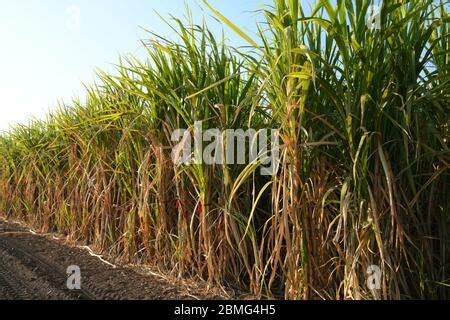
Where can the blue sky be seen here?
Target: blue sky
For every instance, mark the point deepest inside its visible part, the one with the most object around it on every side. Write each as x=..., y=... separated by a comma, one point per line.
x=49, y=48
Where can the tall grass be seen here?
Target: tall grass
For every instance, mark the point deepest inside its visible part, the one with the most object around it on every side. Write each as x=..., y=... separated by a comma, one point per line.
x=362, y=116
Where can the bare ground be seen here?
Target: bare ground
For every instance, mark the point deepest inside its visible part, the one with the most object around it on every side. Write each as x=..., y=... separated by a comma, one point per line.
x=33, y=267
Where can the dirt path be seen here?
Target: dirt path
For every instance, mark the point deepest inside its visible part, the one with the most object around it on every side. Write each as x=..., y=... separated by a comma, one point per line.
x=35, y=267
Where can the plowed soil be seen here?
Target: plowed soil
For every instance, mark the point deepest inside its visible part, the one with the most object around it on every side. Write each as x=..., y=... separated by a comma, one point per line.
x=34, y=267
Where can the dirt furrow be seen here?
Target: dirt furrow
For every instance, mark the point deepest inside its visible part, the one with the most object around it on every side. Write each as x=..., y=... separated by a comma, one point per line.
x=45, y=270
x=34, y=267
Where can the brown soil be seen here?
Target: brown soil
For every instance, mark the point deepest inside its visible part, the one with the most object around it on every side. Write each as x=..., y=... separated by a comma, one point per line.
x=33, y=267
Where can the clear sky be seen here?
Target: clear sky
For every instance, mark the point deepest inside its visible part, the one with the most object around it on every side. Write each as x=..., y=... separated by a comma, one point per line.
x=49, y=48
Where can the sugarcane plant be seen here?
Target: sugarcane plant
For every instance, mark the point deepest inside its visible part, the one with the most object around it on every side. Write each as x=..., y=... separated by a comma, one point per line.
x=359, y=101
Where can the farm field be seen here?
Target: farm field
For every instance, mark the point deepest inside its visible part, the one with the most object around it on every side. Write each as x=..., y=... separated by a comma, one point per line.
x=313, y=163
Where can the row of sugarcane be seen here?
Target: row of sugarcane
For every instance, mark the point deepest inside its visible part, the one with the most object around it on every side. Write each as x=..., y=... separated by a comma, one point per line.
x=362, y=184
